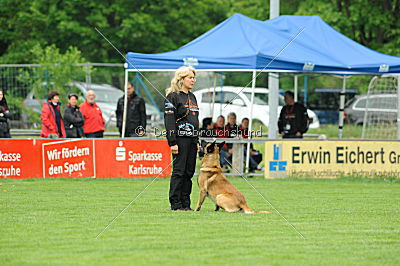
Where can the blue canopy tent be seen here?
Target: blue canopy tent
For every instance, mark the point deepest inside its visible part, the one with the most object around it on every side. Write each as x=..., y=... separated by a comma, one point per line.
x=283, y=44
x=244, y=44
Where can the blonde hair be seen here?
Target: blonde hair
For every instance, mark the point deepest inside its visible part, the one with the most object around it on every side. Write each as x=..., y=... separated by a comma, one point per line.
x=177, y=81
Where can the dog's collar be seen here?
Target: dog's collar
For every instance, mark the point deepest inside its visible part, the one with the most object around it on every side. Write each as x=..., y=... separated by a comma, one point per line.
x=211, y=169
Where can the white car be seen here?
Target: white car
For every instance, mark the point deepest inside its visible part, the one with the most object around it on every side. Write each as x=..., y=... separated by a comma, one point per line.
x=240, y=104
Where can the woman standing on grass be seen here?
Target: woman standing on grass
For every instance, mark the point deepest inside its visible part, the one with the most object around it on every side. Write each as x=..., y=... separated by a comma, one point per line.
x=73, y=118
x=5, y=114
x=52, y=121
x=182, y=126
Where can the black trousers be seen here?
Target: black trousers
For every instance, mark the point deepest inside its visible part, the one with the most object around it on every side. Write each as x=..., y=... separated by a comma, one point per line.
x=98, y=134
x=5, y=135
x=4, y=130
x=184, y=164
x=128, y=134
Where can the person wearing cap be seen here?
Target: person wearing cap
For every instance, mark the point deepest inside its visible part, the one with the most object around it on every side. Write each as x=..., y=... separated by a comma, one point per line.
x=94, y=125
x=52, y=121
x=73, y=118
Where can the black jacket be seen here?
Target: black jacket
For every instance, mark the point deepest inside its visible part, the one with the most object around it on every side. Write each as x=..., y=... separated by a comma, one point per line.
x=73, y=121
x=181, y=116
x=293, y=119
x=233, y=132
x=135, y=116
x=4, y=126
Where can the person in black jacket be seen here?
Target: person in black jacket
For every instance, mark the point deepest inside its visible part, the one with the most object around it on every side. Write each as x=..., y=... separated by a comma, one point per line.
x=5, y=114
x=232, y=131
x=293, y=120
x=206, y=131
x=182, y=127
x=255, y=156
x=73, y=118
x=232, y=127
x=135, y=116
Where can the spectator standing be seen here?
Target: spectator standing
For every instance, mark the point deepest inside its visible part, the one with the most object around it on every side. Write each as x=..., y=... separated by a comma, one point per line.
x=73, y=118
x=293, y=120
x=93, y=126
x=5, y=114
x=135, y=114
x=52, y=121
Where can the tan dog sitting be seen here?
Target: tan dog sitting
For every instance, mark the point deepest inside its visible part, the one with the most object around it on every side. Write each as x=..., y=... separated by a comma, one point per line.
x=213, y=183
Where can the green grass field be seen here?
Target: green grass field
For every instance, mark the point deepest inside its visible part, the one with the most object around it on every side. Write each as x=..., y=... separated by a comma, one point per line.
x=344, y=221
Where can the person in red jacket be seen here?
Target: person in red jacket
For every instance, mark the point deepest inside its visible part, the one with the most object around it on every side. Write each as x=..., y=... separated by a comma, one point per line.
x=93, y=126
x=52, y=121
x=219, y=128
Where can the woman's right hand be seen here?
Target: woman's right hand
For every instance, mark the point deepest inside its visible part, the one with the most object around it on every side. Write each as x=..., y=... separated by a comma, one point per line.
x=174, y=149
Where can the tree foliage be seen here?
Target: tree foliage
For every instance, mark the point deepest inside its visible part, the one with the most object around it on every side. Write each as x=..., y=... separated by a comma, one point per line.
x=373, y=23
x=57, y=76
x=162, y=25
x=64, y=32
x=142, y=26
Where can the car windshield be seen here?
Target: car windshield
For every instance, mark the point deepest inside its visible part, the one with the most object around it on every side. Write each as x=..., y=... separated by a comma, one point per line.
x=108, y=96
x=261, y=98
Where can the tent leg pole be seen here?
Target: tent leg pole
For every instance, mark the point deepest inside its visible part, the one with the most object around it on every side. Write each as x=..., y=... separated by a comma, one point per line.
x=213, y=97
x=341, y=107
x=398, y=107
x=125, y=104
x=273, y=100
x=253, y=86
x=137, y=77
x=296, y=87
x=220, y=95
x=305, y=90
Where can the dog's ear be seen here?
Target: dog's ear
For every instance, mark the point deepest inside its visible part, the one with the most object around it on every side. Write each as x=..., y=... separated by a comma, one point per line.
x=210, y=148
x=220, y=145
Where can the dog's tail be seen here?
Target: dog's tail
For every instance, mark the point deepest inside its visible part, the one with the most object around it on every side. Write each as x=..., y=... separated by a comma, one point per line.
x=263, y=212
x=248, y=210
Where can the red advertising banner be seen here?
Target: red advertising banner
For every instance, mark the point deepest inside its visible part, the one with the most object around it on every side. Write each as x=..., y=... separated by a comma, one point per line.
x=132, y=158
x=21, y=158
x=13, y=157
x=105, y=158
x=69, y=158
